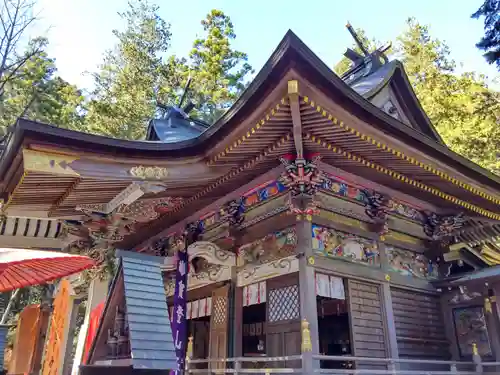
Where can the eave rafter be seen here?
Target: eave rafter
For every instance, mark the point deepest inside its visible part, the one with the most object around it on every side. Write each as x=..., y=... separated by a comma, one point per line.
x=277, y=145
x=398, y=176
x=261, y=136
x=320, y=121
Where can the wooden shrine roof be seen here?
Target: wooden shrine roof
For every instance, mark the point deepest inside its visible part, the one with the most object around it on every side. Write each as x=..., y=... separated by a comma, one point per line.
x=53, y=170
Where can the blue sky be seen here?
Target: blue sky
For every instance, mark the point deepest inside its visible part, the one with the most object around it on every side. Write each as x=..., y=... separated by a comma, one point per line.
x=80, y=30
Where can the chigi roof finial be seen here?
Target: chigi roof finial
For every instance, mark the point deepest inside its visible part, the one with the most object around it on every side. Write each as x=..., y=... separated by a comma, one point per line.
x=366, y=62
x=174, y=124
x=356, y=38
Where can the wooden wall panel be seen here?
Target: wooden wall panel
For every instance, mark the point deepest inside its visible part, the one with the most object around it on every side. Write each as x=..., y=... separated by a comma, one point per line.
x=419, y=324
x=367, y=322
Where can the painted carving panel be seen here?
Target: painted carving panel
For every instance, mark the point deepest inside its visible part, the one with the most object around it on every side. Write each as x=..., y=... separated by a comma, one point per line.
x=274, y=246
x=410, y=263
x=250, y=199
x=340, y=245
x=336, y=186
x=470, y=328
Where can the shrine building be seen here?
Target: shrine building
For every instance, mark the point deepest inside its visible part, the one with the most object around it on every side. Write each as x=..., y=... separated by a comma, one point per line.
x=321, y=224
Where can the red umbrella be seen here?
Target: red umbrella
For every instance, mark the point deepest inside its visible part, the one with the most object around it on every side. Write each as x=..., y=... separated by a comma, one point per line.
x=20, y=268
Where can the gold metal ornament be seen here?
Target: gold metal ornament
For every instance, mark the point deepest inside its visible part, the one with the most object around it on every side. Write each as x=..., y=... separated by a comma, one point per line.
x=149, y=173
x=306, y=345
x=487, y=306
x=189, y=349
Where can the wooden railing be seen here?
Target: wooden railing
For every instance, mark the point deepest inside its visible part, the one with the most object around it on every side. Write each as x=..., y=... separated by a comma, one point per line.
x=370, y=366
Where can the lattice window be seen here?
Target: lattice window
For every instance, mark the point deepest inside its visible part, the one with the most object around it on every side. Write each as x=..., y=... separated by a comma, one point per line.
x=219, y=310
x=284, y=303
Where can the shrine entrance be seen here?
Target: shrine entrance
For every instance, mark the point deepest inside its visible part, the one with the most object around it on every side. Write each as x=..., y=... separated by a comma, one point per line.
x=333, y=319
x=254, y=323
x=199, y=330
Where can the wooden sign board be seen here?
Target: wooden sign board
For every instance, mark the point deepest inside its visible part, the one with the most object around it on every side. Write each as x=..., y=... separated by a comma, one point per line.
x=58, y=332
x=25, y=341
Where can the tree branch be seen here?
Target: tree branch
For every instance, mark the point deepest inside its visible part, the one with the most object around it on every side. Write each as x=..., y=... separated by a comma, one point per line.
x=12, y=299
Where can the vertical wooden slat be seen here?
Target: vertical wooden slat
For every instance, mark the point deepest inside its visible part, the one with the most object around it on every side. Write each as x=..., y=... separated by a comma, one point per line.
x=420, y=330
x=367, y=322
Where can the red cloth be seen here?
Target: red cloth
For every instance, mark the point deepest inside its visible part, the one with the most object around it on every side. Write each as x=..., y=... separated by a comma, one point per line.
x=95, y=318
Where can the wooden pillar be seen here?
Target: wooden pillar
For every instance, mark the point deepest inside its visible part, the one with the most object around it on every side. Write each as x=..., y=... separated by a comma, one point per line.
x=67, y=362
x=493, y=321
x=97, y=293
x=36, y=363
x=388, y=312
x=57, y=339
x=235, y=328
x=307, y=290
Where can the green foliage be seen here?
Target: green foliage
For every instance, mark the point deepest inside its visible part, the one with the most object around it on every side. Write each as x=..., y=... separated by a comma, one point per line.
x=219, y=72
x=463, y=109
x=490, y=42
x=36, y=93
x=126, y=86
x=134, y=76
x=29, y=86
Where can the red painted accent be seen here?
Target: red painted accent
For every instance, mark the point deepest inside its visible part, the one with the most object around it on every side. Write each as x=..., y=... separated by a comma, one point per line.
x=95, y=318
x=253, y=190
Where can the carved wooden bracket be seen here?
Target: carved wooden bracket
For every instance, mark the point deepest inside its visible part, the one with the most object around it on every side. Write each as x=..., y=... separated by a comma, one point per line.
x=377, y=207
x=439, y=227
x=301, y=176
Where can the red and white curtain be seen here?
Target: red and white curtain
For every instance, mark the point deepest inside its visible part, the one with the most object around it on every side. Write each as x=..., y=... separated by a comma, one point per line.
x=196, y=309
x=329, y=286
x=254, y=294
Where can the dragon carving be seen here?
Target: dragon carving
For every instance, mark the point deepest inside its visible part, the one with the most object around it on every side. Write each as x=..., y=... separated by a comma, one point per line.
x=439, y=227
x=377, y=207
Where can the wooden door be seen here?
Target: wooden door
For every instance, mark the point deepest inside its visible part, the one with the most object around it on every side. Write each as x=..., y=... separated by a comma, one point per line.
x=367, y=323
x=283, y=336
x=219, y=326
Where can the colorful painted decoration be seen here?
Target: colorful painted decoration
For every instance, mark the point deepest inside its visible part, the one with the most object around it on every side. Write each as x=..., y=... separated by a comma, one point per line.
x=263, y=193
x=334, y=185
x=301, y=176
x=234, y=210
x=410, y=263
x=337, y=187
x=332, y=243
x=100, y=230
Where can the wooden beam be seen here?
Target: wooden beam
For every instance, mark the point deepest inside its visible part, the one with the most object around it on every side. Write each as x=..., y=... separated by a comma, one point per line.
x=293, y=96
x=360, y=181
x=179, y=226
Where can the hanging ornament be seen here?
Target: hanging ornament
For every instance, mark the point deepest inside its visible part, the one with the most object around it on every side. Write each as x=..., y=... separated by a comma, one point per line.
x=306, y=337
x=189, y=349
x=487, y=305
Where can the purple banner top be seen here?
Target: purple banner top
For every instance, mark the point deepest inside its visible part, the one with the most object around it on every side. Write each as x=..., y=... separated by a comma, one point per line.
x=179, y=322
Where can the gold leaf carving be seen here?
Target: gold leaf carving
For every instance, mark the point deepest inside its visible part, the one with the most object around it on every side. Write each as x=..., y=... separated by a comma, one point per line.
x=403, y=238
x=341, y=219
x=149, y=173
x=35, y=161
